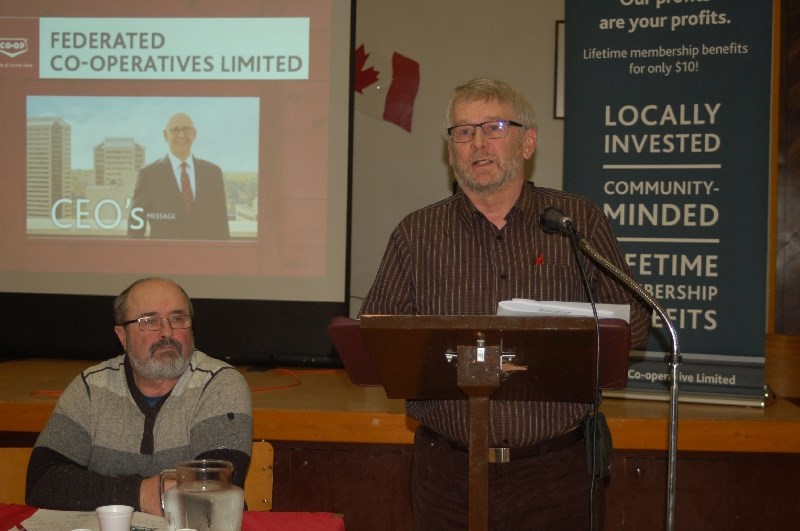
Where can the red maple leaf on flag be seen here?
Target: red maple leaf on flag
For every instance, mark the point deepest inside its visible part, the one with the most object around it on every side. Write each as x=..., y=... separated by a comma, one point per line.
x=364, y=78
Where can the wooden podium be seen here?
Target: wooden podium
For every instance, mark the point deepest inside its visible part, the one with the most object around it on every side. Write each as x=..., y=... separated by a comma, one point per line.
x=481, y=358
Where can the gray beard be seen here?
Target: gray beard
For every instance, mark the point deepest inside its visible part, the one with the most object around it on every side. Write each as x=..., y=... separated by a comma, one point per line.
x=507, y=173
x=465, y=182
x=170, y=366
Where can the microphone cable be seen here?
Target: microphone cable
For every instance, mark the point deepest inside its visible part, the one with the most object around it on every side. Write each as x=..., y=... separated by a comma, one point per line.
x=575, y=239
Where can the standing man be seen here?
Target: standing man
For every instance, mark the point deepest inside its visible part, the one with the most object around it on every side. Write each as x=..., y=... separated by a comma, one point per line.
x=180, y=196
x=120, y=423
x=462, y=256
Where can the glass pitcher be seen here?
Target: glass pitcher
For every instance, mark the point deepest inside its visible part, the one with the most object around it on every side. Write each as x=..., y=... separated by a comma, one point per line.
x=203, y=498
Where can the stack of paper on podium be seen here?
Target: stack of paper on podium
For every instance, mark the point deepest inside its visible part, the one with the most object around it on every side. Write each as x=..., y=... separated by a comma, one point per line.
x=530, y=307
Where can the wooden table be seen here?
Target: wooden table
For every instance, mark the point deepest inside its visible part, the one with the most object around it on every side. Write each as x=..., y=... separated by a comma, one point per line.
x=323, y=405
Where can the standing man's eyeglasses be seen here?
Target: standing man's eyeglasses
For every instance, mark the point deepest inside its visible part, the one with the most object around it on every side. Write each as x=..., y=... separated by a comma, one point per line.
x=491, y=130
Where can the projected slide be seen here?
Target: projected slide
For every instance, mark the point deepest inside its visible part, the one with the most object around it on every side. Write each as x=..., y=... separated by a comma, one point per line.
x=112, y=147
x=204, y=143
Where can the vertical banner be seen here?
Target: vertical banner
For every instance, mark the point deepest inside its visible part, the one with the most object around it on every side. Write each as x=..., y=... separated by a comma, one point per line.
x=667, y=128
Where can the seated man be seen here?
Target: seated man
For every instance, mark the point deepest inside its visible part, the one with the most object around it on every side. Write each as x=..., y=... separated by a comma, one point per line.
x=121, y=422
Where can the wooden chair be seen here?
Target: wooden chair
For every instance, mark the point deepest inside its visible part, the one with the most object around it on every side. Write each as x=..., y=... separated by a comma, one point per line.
x=15, y=468
x=258, y=484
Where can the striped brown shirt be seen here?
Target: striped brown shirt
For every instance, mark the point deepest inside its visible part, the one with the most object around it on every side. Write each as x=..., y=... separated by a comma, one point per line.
x=448, y=259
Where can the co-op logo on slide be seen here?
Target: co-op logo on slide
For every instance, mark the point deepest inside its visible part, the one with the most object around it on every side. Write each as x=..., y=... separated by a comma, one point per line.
x=13, y=47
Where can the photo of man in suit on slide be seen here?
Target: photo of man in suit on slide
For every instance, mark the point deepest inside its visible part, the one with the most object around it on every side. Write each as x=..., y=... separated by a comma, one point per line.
x=180, y=196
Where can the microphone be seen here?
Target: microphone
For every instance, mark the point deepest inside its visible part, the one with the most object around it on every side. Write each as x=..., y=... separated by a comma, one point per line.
x=553, y=219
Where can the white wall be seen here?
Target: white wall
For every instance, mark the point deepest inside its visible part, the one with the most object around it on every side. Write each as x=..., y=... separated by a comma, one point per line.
x=395, y=172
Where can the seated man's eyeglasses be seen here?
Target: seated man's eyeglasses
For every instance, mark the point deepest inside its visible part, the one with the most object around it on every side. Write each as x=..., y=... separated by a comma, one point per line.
x=153, y=324
x=491, y=130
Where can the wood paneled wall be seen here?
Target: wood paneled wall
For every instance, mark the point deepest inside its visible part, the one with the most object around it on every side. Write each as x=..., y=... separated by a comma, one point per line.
x=782, y=355
x=787, y=265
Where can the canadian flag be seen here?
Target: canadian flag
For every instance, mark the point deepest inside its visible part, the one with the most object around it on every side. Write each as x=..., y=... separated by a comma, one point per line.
x=386, y=84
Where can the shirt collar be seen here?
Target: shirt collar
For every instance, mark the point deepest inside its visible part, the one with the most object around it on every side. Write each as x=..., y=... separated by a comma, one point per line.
x=525, y=204
x=176, y=162
x=526, y=201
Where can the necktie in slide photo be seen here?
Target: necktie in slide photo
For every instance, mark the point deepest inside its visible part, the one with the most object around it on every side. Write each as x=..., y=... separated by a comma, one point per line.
x=186, y=188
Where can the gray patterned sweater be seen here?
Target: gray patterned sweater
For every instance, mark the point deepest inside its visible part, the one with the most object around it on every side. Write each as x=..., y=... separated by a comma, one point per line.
x=103, y=437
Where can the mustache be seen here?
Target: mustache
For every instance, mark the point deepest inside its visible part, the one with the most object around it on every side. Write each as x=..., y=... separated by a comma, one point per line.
x=166, y=342
x=482, y=155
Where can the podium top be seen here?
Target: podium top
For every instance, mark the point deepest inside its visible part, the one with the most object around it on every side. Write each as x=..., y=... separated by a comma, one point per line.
x=545, y=358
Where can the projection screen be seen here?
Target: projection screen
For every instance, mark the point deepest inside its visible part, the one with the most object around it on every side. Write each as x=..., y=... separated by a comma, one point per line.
x=99, y=98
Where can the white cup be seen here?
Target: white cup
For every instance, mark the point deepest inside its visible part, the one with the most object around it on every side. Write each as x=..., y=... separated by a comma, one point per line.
x=115, y=517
